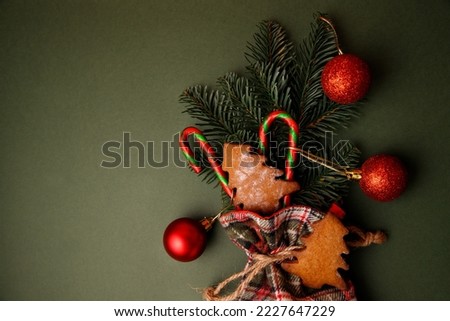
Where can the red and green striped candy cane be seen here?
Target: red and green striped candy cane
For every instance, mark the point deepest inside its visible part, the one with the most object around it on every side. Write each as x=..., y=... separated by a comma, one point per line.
x=291, y=157
x=208, y=151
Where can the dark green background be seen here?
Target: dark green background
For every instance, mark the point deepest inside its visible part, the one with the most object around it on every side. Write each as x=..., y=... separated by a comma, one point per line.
x=76, y=74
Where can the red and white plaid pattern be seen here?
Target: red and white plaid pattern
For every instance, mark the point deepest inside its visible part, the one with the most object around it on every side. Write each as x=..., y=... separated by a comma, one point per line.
x=269, y=235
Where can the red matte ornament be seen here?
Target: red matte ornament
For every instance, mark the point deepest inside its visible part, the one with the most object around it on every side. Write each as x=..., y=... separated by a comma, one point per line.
x=383, y=177
x=185, y=239
x=345, y=79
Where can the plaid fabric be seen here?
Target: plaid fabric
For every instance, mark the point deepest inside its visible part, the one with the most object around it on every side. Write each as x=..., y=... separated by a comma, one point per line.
x=268, y=235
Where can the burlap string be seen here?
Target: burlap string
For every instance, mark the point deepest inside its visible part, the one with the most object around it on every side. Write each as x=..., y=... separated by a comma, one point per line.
x=260, y=262
x=361, y=238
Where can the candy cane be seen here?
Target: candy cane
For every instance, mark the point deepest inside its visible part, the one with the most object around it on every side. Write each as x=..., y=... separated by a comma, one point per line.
x=209, y=152
x=291, y=157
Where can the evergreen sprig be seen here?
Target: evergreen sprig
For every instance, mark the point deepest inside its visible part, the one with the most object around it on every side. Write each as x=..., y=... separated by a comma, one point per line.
x=321, y=186
x=280, y=76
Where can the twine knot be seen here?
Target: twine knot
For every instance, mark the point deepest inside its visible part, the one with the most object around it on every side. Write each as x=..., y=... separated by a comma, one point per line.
x=259, y=262
x=363, y=238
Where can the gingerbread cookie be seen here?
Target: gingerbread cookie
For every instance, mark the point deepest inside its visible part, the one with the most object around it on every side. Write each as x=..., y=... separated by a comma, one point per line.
x=257, y=187
x=318, y=263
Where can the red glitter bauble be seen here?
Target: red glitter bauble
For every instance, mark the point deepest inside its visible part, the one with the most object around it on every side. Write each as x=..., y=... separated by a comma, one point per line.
x=185, y=239
x=345, y=79
x=383, y=177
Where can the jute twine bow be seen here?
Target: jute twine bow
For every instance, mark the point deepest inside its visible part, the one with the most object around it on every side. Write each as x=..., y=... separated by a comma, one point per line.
x=260, y=262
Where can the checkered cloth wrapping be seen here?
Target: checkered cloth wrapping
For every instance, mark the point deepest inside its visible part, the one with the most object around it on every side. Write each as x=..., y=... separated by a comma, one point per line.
x=269, y=235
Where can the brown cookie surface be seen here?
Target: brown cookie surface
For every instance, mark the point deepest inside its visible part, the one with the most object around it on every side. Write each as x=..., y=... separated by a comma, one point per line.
x=318, y=263
x=258, y=187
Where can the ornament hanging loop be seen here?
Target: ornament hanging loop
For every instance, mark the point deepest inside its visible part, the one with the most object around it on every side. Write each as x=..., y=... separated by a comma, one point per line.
x=208, y=222
x=328, y=21
x=209, y=153
x=353, y=174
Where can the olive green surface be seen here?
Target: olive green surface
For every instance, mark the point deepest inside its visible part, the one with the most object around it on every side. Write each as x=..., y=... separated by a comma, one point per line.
x=77, y=74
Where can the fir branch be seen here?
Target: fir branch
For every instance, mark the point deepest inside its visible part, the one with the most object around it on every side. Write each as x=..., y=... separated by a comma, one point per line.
x=272, y=60
x=271, y=85
x=271, y=46
x=312, y=55
x=280, y=76
x=322, y=186
x=211, y=108
x=339, y=115
x=328, y=116
x=245, y=105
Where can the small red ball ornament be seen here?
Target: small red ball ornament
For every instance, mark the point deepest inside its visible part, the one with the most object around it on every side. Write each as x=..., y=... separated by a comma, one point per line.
x=185, y=239
x=383, y=177
x=345, y=79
